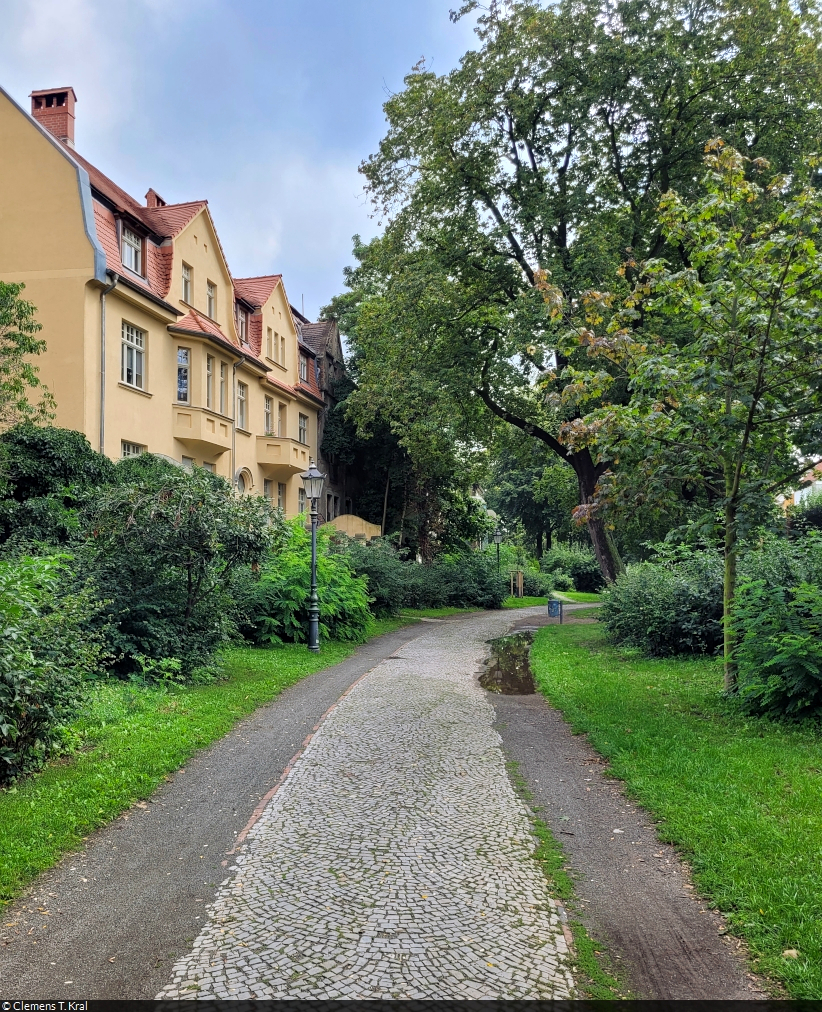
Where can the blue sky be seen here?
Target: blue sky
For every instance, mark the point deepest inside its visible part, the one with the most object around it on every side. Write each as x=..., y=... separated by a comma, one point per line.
x=264, y=108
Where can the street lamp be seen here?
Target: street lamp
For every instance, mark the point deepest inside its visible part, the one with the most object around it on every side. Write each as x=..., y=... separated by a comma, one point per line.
x=497, y=540
x=313, y=484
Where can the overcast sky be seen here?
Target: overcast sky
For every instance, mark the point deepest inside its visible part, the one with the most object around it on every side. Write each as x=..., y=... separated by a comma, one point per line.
x=265, y=108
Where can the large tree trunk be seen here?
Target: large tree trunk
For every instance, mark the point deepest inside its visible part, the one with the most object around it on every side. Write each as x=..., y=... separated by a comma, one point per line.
x=588, y=474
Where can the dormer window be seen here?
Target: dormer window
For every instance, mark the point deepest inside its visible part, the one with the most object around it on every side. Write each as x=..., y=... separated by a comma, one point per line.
x=132, y=251
x=242, y=322
x=303, y=368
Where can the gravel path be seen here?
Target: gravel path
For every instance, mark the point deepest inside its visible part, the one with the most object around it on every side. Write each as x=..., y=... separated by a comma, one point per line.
x=394, y=860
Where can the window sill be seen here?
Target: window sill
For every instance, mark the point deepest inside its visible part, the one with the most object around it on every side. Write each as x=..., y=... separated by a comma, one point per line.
x=243, y=432
x=277, y=365
x=134, y=390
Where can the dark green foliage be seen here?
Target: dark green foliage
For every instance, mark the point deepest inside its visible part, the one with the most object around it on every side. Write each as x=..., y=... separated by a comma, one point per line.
x=18, y=374
x=779, y=632
x=46, y=650
x=579, y=562
x=538, y=584
x=162, y=549
x=384, y=570
x=44, y=469
x=467, y=580
x=666, y=610
x=39, y=461
x=274, y=603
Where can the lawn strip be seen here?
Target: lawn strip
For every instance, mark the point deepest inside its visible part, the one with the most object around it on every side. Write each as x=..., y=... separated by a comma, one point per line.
x=525, y=602
x=739, y=796
x=133, y=738
x=593, y=971
x=410, y=613
x=578, y=596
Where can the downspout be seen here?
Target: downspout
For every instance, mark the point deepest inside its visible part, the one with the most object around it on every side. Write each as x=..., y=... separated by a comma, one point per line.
x=103, y=295
x=234, y=422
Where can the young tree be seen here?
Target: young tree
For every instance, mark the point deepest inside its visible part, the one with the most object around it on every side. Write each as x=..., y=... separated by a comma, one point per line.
x=531, y=168
x=18, y=375
x=737, y=408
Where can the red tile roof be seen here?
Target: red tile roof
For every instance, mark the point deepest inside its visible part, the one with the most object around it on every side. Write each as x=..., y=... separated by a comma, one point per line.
x=257, y=291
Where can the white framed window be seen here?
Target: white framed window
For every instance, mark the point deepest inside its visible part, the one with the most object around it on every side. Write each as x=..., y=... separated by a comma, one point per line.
x=268, y=488
x=282, y=419
x=133, y=357
x=209, y=466
x=242, y=405
x=183, y=375
x=209, y=381
x=211, y=299
x=187, y=272
x=270, y=349
x=130, y=449
x=282, y=351
x=269, y=411
x=301, y=500
x=281, y=495
x=303, y=429
x=132, y=251
x=223, y=386
x=241, y=318
x=303, y=368
x=188, y=463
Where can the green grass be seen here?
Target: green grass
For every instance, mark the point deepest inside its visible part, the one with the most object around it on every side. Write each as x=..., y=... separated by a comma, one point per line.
x=435, y=612
x=577, y=596
x=524, y=602
x=740, y=797
x=131, y=738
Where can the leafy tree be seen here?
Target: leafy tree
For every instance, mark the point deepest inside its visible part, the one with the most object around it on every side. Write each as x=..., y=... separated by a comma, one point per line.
x=18, y=375
x=516, y=183
x=738, y=408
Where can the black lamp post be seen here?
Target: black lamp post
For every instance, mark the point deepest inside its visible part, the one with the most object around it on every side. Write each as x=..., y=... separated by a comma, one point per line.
x=313, y=484
x=497, y=540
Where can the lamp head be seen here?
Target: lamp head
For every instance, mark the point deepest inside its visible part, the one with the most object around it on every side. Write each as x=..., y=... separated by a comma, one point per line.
x=498, y=535
x=313, y=480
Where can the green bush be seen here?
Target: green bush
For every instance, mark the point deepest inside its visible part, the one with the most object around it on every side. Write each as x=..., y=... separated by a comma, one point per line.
x=779, y=632
x=162, y=550
x=46, y=651
x=578, y=562
x=381, y=565
x=273, y=603
x=538, y=584
x=667, y=609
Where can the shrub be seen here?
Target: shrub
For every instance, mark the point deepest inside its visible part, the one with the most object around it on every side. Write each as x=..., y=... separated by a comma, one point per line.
x=46, y=650
x=578, y=562
x=162, y=550
x=538, y=584
x=665, y=610
x=780, y=648
x=384, y=570
x=274, y=603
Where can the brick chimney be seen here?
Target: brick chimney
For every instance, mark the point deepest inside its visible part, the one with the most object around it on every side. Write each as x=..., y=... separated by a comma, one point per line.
x=53, y=108
x=153, y=199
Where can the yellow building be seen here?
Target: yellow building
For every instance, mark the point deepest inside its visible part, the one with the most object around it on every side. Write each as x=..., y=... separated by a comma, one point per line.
x=152, y=345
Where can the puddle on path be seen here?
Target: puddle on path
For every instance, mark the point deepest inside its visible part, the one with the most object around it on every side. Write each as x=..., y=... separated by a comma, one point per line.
x=509, y=668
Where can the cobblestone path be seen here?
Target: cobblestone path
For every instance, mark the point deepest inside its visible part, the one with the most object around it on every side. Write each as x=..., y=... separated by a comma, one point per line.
x=395, y=859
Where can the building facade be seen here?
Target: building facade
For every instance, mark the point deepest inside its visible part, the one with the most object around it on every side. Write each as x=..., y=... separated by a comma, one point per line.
x=152, y=344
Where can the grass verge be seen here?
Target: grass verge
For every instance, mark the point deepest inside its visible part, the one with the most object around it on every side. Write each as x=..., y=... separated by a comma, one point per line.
x=739, y=796
x=435, y=612
x=591, y=967
x=129, y=739
x=524, y=602
x=578, y=596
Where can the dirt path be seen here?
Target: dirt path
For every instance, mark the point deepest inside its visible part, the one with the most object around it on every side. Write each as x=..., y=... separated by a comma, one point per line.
x=635, y=892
